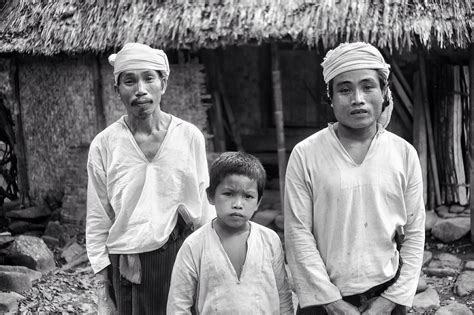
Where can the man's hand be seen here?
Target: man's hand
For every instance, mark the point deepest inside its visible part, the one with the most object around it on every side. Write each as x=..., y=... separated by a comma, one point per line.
x=341, y=307
x=378, y=305
x=105, y=305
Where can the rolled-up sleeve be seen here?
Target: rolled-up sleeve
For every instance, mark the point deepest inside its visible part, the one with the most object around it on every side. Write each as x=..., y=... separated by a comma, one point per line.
x=311, y=280
x=284, y=292
x=404, y=289
x=208, y=211
x=99, y=214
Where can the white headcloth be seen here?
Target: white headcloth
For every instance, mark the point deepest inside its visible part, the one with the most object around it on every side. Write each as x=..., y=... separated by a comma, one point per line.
x=352, y=56
x=134, y=56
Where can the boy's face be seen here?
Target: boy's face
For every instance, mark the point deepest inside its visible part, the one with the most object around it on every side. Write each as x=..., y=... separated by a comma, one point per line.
x=235, y=199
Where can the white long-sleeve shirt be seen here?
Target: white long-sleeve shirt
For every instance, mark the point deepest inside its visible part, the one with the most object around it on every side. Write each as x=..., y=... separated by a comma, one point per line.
x=341, y=218
x=131, y=202
x=204, y=276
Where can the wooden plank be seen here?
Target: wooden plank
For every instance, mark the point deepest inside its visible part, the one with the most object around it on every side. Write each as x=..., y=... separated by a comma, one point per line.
x=279, y=122
x=406, y=102
x=20, y=148
x=218, y=124
x=460, y=181
x=419, y=133
x=429, y=129
x=229, y=114
x=398, y=73
x=471, y=131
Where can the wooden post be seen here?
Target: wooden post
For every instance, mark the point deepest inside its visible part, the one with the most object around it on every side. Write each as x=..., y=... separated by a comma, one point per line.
x=471, y=127
x=20, y=148
x=419, y=134
x=279, y=122
x=98, y=95
x=429, y=129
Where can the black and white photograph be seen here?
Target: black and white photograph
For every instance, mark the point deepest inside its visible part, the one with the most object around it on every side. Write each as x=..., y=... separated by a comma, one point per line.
x=294, y=157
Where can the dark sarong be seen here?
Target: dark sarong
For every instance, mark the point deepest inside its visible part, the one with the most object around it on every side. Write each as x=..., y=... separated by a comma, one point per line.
x=151, y=295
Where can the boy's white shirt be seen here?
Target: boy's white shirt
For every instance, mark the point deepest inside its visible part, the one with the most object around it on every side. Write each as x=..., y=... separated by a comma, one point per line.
x=203, y=276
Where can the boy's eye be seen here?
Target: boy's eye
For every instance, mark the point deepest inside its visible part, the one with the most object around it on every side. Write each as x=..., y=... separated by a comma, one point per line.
x=249, y=196
x=368, y=87
x=227, y=193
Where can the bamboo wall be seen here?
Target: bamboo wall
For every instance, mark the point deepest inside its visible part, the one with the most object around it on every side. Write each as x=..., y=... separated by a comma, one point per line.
x=65, y=101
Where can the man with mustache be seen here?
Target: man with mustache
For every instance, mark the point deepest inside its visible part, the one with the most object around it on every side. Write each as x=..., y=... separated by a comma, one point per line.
x=147, y=179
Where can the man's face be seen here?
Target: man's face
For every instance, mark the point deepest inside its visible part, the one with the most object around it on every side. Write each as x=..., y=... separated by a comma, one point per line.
x=357, y=98
x=140, y=91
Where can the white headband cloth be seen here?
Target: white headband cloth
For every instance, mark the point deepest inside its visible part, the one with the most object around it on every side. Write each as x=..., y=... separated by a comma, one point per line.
x=135, y=56
x=353, y=56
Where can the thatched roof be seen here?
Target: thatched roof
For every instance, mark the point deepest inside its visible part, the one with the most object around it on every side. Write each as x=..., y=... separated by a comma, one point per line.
x=54, y=26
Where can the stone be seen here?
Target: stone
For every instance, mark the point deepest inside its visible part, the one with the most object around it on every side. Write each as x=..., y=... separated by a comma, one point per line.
x=454, y=308
x=422, y=285
x=31, y=252
x=426, y=300
x=72, y=251
x=59, y=231
x=265, y=217
x=29, y=213
x=280, y=222
x=5, y=240
x=9, y=302
x=443, y=212
x=440, y=272
x=469, y=265
x=427, y=256
x=456, y=208
x=446, y=260
x=465, y=283
x=50, y=241
x=14, y=281
x=450, y=230
x=19, y=226
x=32, y=274
x=443, y=265
x=431, y=219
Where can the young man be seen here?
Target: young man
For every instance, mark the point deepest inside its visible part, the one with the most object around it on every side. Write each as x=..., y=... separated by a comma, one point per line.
x=147, y=175
x=352, y=189
x=232, y=265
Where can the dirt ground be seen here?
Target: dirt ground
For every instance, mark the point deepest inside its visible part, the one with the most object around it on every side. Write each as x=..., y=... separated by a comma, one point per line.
x=73, y=290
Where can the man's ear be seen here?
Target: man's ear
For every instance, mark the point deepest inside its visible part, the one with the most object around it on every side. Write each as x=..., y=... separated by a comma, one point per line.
x=210, y=197
x=164, y=85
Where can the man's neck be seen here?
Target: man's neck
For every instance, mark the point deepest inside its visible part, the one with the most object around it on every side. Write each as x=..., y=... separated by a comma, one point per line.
x=355, y=135
x=154, y=122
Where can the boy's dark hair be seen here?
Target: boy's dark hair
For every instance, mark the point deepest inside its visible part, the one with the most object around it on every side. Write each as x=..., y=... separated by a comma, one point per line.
x=236, y=163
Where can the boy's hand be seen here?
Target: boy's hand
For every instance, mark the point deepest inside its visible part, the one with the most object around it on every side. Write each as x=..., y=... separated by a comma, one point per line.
x=341, y=307
x=378, y=305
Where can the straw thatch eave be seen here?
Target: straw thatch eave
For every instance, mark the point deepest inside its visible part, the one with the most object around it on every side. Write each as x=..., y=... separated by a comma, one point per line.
x=49, y=27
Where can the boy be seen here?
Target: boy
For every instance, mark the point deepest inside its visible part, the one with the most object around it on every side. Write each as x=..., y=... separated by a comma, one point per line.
x=231, y=265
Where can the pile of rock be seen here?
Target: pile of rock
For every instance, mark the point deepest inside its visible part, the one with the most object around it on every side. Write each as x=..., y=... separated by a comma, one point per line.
x=23, y=260
x=448, y=268
x=448, y=223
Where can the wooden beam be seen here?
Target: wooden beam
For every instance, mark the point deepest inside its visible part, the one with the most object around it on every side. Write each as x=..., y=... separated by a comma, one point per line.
x=406, y=102
x=471, y=126
x=429, y=128
x=419, y=133
x=279, y=121
x=20, y=148
x=403, y=81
